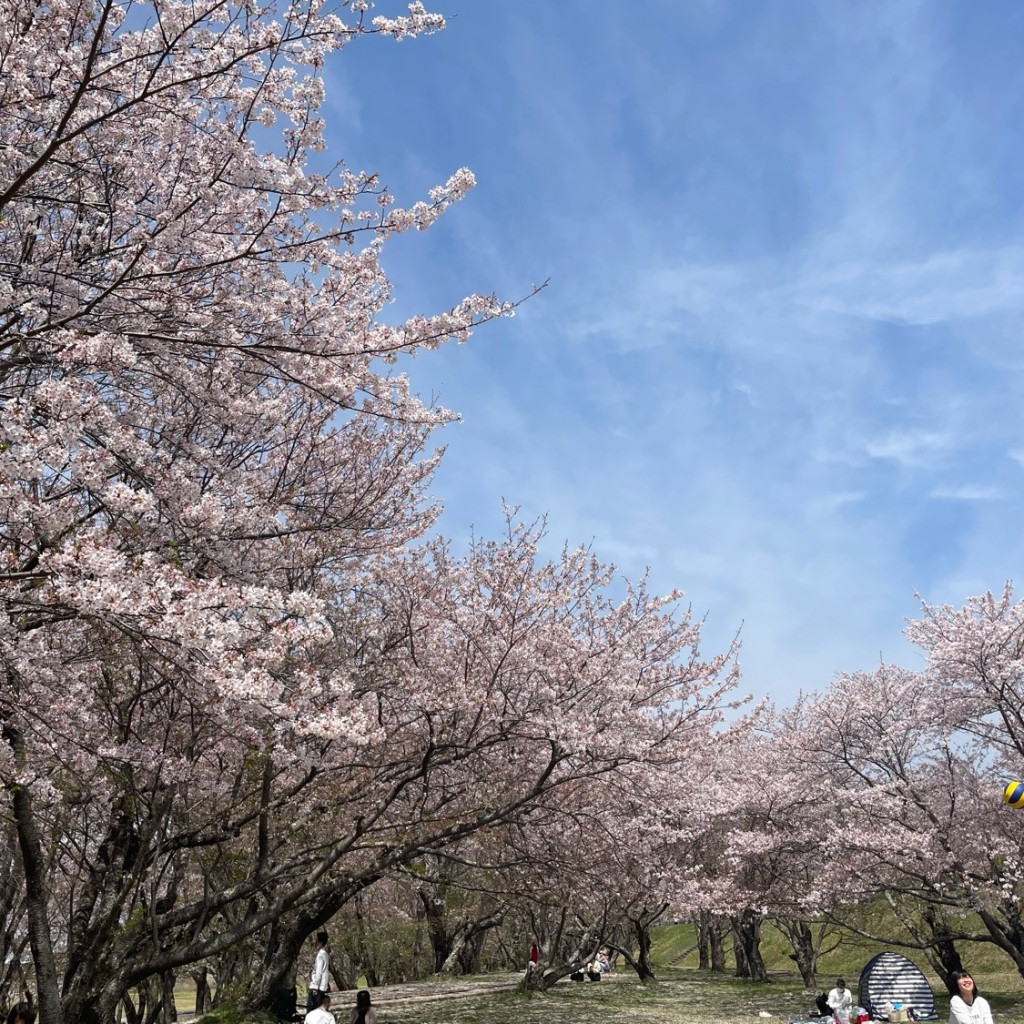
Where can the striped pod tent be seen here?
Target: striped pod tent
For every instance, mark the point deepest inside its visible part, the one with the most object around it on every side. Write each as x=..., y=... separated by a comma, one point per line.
x=892, y=978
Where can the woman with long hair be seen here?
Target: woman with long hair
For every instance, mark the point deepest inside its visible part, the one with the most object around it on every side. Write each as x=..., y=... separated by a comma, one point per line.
x=966, y=1006
x=363, y=1013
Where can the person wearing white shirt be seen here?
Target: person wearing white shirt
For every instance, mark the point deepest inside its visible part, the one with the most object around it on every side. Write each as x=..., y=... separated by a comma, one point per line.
x=321, y=1013
x=840, y=1000
x=967, y=1007
x=320, y=979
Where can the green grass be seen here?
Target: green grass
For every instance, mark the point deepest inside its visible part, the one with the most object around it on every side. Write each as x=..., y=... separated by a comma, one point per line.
x=990, y=964
x=996, y=973
x=674, y=1001
x=671, y=941
x=222, y=1015
x=682, y=997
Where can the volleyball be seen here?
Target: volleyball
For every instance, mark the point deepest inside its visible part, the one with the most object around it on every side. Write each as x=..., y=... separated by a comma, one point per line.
x=1013, y=795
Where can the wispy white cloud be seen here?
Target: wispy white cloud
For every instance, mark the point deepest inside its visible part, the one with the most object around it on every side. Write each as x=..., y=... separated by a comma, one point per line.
x=929, y=288
x=967, y=492
x=779, y=360
x=913, y=448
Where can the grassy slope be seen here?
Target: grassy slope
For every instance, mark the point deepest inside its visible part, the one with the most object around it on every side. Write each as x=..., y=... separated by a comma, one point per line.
x=853, y=952
x=996, y=974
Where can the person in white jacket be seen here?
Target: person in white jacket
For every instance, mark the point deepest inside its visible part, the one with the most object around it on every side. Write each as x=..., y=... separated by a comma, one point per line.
x=967, y=1007
x=320, y=979
x=840, y=1000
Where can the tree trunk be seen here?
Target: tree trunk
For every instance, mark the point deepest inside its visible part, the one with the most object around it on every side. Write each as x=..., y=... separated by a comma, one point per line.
x=281, y=967
x=467, y=944
x=453, y=961
x=472, y=953
x=154, y=1000
x=168, y=1009
x=642, y=933
x=1007, y=936
x=343, y=971
x=703, y=941
x=740, y=953
x=540, y=979
x=943, y=955
x=37, y=902
x=131, y=1014
x=747, y=931
x=642, y=920
x=202, y=980
x=801, y=938
x=716, y=945
x=13, y=939
x=434, y=913
x=291, y=934
x=641, y=963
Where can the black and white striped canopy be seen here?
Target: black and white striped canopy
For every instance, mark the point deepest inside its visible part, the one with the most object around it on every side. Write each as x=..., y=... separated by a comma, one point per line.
x=892, y=978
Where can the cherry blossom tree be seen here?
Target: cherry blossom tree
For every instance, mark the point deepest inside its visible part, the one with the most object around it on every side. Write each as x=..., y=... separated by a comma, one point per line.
x=975, y=664
x=662, y=867
x=198, y=440
x=606, y=861
x=911, y=766
x=211, y=488
x=784, y=845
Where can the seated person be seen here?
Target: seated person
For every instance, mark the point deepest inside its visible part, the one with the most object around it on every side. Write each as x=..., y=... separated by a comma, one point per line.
x=841, y=1001
x=321, y=1013
x=967, y=1007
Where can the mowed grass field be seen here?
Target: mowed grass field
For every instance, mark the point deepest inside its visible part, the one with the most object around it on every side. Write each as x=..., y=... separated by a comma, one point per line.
x=682, y=994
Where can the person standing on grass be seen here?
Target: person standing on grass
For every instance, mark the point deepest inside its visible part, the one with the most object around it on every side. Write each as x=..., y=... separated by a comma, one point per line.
x=363, y=1013
x=967, y=1007
x=320, y=979
x=321, y=1013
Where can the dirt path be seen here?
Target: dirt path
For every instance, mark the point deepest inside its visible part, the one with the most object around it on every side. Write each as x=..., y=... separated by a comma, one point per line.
x=431, y=991
x=413, y=992
x=434, y=990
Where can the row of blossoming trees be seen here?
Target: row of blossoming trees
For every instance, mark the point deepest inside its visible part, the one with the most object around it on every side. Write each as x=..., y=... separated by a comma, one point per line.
x=241, y=689
x=886, y=789
x=883, y=791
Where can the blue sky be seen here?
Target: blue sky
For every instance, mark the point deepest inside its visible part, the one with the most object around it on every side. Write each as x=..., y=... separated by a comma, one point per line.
x=779, y=359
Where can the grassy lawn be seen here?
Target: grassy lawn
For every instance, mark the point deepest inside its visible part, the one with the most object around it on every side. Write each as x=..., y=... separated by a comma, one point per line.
x=676, y=1000
x=682, y=996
